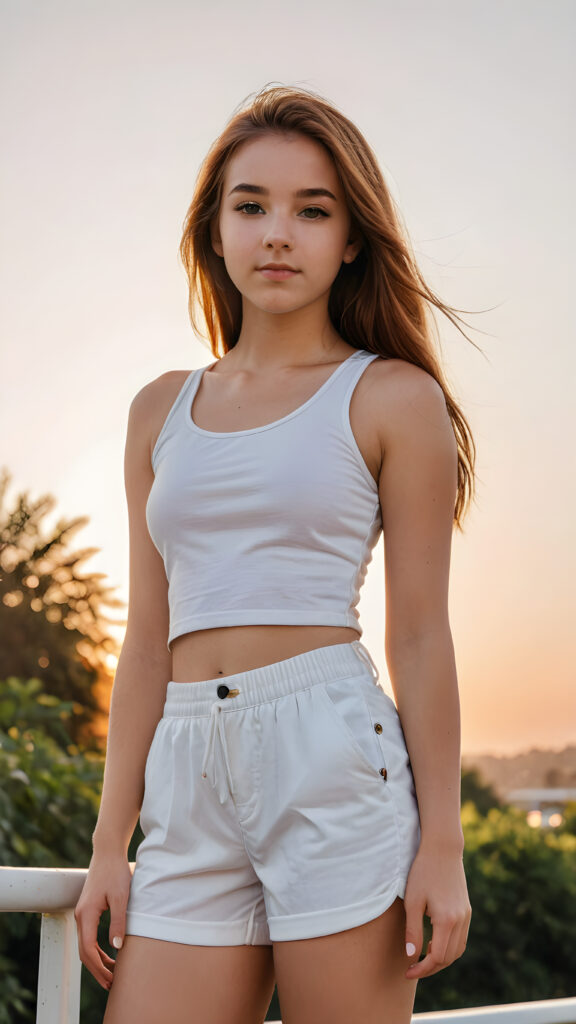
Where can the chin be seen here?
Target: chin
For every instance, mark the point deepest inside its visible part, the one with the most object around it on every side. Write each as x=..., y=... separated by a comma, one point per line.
x=277, y=304
x=279, y=310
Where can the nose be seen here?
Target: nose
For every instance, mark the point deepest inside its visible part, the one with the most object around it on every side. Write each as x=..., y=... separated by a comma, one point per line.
x=277, y=234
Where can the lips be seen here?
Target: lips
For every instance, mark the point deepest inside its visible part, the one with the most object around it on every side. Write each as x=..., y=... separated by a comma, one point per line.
x=277, y=271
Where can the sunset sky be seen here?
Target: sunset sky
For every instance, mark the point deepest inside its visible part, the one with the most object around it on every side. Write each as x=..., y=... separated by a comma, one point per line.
x=106, y=112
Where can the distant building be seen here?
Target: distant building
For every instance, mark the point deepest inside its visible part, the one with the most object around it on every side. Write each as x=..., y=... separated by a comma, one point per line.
x=544, y=805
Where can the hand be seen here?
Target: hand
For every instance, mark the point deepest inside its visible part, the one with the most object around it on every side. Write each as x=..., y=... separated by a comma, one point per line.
x=436, y=886
x=107, y=886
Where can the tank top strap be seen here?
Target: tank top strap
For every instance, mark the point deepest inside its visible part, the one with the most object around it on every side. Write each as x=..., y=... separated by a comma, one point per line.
x=357, y=367
x=168, y=424
x=343, y=381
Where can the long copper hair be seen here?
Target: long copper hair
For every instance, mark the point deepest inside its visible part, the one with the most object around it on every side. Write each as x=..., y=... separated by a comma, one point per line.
x=380, y=302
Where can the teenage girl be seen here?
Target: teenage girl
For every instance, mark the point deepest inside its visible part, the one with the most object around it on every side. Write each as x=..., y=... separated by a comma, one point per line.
x=298, y=822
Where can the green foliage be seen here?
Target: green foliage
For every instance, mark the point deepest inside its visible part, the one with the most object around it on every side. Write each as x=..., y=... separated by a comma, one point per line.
x=24, y=705
x=17, y=1001
x=522, y=887
x=476, y=790
x=49, y=796
x=44, y=789
x=569, y=815
x=52, y=615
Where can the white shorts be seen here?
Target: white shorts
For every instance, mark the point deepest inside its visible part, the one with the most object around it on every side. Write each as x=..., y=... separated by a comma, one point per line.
x=279, y=804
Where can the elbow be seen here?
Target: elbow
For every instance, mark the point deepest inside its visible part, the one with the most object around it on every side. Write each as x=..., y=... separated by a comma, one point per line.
x=415, y=640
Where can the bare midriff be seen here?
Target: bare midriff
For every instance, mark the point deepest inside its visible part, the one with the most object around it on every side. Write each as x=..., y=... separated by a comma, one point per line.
x=226, y=650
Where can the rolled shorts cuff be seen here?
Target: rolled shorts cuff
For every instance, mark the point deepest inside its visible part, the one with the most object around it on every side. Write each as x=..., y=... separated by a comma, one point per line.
x=198, y=933
x=337, y=919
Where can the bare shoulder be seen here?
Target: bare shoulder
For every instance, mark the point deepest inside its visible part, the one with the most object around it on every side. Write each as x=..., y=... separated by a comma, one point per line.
x=152, y=403
x=162, y=389
x=403, y=398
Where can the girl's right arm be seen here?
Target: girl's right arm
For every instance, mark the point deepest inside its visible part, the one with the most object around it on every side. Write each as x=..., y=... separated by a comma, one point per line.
x=137, y=702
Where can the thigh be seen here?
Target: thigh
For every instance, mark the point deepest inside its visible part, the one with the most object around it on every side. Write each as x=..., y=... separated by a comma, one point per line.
x=176, y=983
x=354, y=975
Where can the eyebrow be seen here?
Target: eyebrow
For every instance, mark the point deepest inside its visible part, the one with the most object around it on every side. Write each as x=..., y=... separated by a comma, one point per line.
x=302, y=193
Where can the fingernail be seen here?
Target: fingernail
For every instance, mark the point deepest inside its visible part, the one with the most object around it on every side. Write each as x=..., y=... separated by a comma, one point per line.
x=410, y=949
x=117, y=942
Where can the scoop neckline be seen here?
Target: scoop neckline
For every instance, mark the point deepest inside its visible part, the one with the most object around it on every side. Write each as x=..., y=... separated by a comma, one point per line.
x=267, y=426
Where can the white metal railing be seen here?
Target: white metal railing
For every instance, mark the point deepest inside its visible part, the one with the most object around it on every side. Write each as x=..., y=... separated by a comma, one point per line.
x=542, y=1011
x=54, y=892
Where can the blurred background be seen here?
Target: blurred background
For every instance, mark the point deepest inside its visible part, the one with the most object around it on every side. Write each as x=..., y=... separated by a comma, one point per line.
x=106, y=112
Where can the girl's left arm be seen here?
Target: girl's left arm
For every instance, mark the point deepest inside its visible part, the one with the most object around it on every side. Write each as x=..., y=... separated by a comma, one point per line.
x=417, y=487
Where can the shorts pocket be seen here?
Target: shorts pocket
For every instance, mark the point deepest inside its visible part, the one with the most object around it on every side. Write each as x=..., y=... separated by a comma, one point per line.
x=346, y=702
x=152, y=750
x=390, y=737
x=157, y=782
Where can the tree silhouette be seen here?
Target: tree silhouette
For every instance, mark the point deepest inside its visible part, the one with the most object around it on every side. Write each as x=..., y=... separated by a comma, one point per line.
x=53, y=621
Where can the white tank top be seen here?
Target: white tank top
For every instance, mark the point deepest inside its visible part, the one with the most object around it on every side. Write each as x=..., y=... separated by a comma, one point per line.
x=274, y=525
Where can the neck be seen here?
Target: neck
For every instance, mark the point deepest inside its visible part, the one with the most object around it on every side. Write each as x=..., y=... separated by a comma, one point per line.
x=287, y=339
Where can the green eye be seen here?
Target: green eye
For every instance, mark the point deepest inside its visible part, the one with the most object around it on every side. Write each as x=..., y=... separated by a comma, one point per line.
x=315, y=211
x=248, y=208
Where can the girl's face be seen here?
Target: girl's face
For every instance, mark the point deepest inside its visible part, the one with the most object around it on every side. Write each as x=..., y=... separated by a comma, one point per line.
x=283, y=228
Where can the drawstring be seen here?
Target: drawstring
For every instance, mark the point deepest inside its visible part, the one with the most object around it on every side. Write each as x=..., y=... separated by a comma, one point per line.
x=364, y=654
x=224, y=787
x=216, y=728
